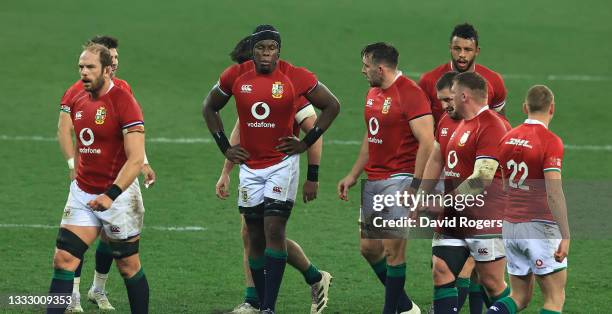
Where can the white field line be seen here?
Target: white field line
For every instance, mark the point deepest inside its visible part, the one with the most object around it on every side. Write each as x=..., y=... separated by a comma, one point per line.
x=159, y=228
x=199, y=140
x=549, y=77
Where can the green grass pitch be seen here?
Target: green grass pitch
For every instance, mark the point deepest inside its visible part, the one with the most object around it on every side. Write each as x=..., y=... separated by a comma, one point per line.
x=172, y=52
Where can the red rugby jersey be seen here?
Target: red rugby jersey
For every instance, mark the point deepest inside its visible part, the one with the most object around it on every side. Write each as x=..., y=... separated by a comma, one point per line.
x=392, y=147
x=525, y=153
x=98, y=126
x=495, y=85
x=474, y=139
x=266, y=105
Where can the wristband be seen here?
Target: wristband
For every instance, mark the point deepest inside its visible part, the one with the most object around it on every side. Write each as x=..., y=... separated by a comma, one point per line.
x=313, y=135
x=222, y=141
x=113, y=192
x=313, y=173
x=146, y=161
x=416, y=182
x=70, y=163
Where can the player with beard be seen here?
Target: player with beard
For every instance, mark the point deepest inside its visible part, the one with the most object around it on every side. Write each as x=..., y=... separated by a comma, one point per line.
x=469, y=169
x=318, y=280
x=109, y=126
x=393, y=154
x=464, y=50
x=266, y=91
x=104, y=259
x=467, y=283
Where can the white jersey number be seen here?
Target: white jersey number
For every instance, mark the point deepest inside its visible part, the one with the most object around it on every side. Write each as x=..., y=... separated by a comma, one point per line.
x=512, y=165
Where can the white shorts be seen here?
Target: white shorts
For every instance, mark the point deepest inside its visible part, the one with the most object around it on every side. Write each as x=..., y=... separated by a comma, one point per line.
x=122, y=221
x=279, y=182
x=531, y=248
x=482, y=249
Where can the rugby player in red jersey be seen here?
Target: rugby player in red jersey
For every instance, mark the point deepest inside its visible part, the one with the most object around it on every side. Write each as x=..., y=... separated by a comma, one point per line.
x=109, y=128
x=266, y=91
x=318, y=280
x=393, y=154
x=104, y=259
x=469, y=169
x=464, y=49
x=536, y=230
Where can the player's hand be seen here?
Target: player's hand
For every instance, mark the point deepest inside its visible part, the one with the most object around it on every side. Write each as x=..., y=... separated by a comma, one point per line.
x=100, y=203
x=237, y=154
x=310, y=190
x=72, y=174
x=291, y=145
x=344, y=185
x=222, y=186
x=149, y=175
x=562, y=250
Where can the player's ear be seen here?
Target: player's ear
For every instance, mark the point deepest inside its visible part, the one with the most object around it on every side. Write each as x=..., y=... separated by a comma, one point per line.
x=525, y=108
x=551, y=110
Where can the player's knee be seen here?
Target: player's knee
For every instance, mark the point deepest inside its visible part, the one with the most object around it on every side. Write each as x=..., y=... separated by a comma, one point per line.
x=441, y=273
x=372, y=253
x=493, y=283
x=128, y=266
x=64, y=260
x=394, y=256
x=70, y=250
x=556, y=298
x=521, y=299
x=244, y=232
x=275, y=232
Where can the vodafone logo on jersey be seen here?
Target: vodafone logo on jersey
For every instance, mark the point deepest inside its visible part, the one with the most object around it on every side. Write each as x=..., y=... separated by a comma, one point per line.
x=451, y=162
x=260, y=111
x=87, y=138
x=374, y=127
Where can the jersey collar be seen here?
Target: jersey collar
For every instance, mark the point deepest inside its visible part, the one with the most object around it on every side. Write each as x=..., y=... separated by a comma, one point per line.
x=534, y=121
x=483, y=109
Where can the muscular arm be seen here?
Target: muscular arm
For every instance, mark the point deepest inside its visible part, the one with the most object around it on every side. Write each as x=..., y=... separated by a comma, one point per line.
x=213, y=103
x=314, y=151
x=433, y=169
x=351, y=178
x=422, y=128
x=556, y=201
x=481, y=178
x=64, y=137
x=133, y=144
x=322, y=98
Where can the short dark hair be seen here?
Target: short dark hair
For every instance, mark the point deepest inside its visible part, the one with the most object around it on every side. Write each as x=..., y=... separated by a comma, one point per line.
x=106, y=41
x=101, y=50
x=465, y=31
x=242, y=52
x=382, y=53
x=472, y=81
x=446, y=80
x=539, y=98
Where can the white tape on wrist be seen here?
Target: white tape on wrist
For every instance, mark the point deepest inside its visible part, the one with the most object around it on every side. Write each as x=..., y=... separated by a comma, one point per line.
x=70, y=163
x=146, y=161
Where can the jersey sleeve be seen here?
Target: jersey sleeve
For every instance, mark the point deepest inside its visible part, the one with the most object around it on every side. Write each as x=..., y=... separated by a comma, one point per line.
x=426, y=85
x=553, y=156
x=67, y=99
x=303, y=81
x=227, y=79
x=130, y=114
x=498, y=100
x=415, y=103
x=488, y=139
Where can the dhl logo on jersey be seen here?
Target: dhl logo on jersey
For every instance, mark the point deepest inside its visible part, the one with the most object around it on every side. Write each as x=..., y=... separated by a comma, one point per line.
x=277, y=90
x=100, y=115
x=386, y=105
